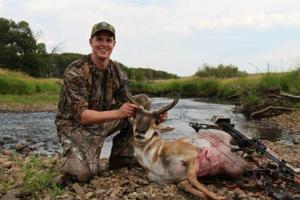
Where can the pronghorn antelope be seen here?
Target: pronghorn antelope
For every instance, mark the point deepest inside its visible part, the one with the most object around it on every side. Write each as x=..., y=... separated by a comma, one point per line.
x=183, y=160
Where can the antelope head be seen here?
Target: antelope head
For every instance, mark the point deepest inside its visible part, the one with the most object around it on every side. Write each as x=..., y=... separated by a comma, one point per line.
x=145, y=123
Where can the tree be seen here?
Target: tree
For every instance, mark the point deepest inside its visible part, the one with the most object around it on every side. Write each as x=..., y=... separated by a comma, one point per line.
x=19, y=50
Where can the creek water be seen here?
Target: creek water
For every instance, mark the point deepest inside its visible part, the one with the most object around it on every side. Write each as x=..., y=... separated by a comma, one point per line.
x=38, y=130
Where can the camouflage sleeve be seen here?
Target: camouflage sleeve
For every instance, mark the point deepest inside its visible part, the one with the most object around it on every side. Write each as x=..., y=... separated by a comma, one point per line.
x=77, y=92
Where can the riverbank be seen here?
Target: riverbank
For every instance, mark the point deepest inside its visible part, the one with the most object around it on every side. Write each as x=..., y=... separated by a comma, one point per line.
x=289, y=122
x=25, y=176
x=28, y=108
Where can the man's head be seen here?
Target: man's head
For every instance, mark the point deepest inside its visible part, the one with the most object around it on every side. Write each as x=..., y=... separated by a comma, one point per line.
x=102, y=40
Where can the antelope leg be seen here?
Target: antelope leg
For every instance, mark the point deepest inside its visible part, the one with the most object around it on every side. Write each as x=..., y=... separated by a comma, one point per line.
x=189, y=188
x=193, y=167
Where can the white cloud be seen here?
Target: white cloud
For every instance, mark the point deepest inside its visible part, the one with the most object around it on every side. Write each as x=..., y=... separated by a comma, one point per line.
x=175, y=35
x=284, y=56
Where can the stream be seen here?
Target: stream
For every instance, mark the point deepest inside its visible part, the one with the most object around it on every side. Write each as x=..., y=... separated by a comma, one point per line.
x=37, y=129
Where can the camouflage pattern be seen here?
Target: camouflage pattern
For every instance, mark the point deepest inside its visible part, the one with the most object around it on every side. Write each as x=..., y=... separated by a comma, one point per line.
x=87, y=87
x=103, y=26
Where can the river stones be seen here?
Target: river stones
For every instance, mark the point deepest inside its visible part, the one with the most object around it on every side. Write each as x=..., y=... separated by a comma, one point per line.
x=6, y=152
x=7, y=164
x=78, y=189
x=20, y=146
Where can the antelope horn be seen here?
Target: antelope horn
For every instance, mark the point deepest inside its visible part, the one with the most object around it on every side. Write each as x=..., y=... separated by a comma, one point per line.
x=131, y=100
x=169, y=106
x=128, y=95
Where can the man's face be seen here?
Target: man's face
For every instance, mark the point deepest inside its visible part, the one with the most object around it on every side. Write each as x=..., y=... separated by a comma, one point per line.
x=102, y=44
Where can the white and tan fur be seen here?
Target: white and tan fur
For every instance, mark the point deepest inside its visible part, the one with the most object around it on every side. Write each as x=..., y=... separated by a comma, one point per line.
x=178, y=161
x=183, y=160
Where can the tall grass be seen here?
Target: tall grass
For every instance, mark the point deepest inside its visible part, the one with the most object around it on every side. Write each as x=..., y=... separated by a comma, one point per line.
x=222, y=88
x=18, y=83
x=16, y=87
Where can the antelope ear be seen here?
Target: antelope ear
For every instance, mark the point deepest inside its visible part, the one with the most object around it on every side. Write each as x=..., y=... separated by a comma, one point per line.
x=163, y=128
x=131, y=120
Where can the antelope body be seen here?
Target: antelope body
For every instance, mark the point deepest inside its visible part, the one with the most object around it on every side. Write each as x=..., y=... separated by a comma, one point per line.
x=183, y=160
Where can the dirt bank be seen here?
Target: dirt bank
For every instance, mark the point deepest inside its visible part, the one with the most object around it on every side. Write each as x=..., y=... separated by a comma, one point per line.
x=28, y=108
x=288, y=121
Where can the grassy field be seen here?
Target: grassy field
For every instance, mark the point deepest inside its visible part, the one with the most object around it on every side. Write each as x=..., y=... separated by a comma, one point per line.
x=208, y=87
x=18, y=83
x=17, y=88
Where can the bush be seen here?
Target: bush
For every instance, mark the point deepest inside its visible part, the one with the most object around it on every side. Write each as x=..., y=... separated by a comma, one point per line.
x=221, y=71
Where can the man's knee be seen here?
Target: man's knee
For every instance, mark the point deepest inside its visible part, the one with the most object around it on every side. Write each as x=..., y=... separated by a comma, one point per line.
x=76, y=169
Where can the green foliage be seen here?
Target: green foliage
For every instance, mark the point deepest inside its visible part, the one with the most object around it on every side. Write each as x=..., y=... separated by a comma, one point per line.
x=288, y=82
x=21, y=84
x=248, y=88
x=19, y=50
x=145, y=74
x=38, y=176
x=221, y=71
x=58, y=62
x=189, y=88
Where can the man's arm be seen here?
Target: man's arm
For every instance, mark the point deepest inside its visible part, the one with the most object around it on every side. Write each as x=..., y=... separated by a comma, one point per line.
x=97, y=117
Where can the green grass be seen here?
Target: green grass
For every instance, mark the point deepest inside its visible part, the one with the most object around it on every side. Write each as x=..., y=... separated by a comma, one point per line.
x=18, y=88
x=17, y=83
x=38, y=176
x=205, y=87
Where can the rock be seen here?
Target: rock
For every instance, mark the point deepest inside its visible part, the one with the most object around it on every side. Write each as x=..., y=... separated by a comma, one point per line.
x=20, y=146
x=6, y=152
x=2, y=161
x=12, y=194
x=19, y=179
x=78, y=189
x=112, y=196
x=142, y=182
x=7, y=164
x=107, y=173
x=100, y=192
x=2, y=189
x=65, y=196
x=77, y=197
x=47, y=197
x=89, y=195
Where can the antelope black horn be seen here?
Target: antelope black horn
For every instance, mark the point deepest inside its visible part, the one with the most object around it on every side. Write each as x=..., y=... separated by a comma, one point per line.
x=131, y=100
x=169, y=106
x=128, y=95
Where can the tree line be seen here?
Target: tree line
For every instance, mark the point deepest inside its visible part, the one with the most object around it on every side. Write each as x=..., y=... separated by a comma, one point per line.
x=21, y=51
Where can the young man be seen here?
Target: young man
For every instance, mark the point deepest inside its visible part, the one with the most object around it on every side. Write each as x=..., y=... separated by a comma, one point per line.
x=92, y=106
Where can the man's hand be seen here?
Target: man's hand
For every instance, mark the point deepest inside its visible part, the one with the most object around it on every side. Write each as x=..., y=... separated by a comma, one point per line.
x=163, y=117
x=127, y=110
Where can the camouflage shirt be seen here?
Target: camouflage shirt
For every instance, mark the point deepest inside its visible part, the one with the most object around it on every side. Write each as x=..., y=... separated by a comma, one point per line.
x=87, y=87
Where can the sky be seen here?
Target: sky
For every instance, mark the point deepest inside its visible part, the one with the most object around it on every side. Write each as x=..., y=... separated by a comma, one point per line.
x=177, y=36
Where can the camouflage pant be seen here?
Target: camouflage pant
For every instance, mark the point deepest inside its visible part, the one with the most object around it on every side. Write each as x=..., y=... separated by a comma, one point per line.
x=82, y=148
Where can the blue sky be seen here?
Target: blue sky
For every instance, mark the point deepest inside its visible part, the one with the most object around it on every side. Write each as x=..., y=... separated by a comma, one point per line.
x=177, y=36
